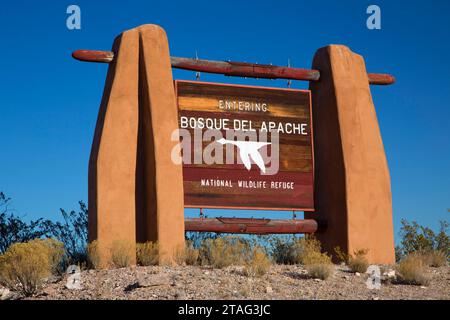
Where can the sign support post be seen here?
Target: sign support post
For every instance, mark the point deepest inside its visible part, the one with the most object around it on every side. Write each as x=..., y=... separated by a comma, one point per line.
x=135, y=190
x=352, y=187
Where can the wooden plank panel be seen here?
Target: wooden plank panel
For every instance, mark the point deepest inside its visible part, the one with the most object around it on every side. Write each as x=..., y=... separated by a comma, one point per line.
x=292, y=158
x=193, y=103
x=231, y=185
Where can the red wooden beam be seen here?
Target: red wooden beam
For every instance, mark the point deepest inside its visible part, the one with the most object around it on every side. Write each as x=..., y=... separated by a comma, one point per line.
x=236, y=69
x=242, y=69
x=381, y=78
x=251, y=226
x=93, y=56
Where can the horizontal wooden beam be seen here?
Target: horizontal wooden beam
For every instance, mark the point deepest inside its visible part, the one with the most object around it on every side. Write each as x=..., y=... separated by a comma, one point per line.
x=235, y=69
x=251, y=226
x=243, y=69
x=93, y=56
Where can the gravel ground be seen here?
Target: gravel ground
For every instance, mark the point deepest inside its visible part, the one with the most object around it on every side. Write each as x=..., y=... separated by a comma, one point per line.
x=282, y=282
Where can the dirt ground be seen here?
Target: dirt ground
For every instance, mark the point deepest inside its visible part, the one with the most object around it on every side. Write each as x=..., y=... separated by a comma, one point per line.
x=282, y=282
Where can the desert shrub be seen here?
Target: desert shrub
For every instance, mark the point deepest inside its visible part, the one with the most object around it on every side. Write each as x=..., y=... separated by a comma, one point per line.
x=285, y=251
x=398, y=253
x=258, y=264
x=121, y=251
x=72, y=232
x=190, y=254
x=420, y=239
x=147, y=254
x=13, y=229
x=316, y=257
x=223, y=252
x=309, y=251
x=358, y=261
x=318, y=265
x=411, y=270
x=294, y=251
x=442, y=239
x=340, y=255
x=197, y=238
x=93, y=255
x=320, y=271
x=437, y=258
x=56, y=254
x=24, y=266
x=433, y=258
x=187, y=255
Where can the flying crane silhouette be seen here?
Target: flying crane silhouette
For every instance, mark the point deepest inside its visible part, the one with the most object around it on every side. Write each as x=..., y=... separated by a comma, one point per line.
x=247, y=150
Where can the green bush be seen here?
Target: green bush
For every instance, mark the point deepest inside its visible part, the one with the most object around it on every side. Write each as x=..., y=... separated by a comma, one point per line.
x=420, y=239
x=284, y=251
x=72, y=232
x=24, y=266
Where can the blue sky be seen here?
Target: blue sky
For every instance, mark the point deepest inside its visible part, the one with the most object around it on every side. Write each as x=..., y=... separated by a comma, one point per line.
x=49, y=102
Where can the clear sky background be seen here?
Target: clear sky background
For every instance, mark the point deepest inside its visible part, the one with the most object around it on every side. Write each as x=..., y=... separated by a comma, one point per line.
x=49, y=102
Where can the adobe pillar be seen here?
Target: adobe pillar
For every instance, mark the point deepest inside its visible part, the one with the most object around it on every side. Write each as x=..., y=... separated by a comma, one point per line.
x=135, y=190
x=352, y=183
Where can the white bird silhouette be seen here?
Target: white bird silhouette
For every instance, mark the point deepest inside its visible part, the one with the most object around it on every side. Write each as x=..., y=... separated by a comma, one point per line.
x=247, y=150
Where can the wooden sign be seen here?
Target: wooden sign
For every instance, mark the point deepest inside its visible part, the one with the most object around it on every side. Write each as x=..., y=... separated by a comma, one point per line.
x=246, y=147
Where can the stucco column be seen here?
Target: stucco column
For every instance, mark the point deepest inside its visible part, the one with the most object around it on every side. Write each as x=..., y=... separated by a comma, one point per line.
x=135, y=190
x=352, y=190
x=163, y=183
x=112, y=165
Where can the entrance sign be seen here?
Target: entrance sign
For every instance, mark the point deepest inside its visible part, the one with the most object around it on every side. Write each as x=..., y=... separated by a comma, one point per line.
x=260, y=141
x=158, y=149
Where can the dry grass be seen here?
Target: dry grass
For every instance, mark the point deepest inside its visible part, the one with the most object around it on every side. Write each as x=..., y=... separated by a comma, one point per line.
x=340, y=255
x=293, y=252
x=24, y=266
x=309, y=251
x=191, y=255
x=412, y=270
x=187, y=255
x=320, y=271
x=121, y=253
x=316, y=257
x=437, y=259
x=358, y=261
x=433, y=258
x=147, y=254
x=317, y=264
x=223, y=252
x=93, y=255
x=259, y=263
